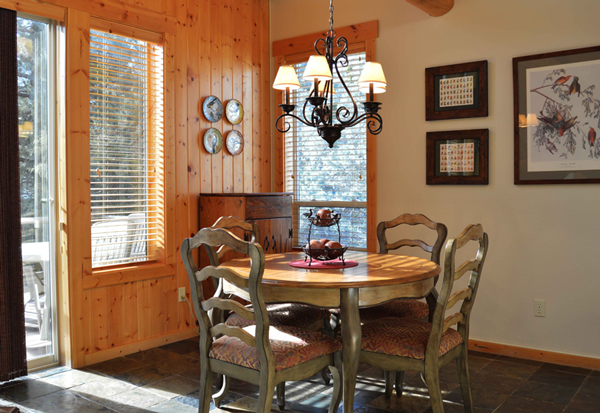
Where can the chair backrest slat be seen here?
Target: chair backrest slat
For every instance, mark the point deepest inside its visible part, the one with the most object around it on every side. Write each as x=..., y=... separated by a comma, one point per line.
x=225, y=330
x=410, y=243
x=452, y=320
x=221, y=273
x=446, y=299
x=413, y=219
x=233, y=222
x=467, y=266
x=463, y=294
x=229, y=305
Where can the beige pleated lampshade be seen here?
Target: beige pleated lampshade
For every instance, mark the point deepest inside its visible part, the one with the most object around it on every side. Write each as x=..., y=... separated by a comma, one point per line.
x=317, y=68
x=286, y=78
x=372, y=74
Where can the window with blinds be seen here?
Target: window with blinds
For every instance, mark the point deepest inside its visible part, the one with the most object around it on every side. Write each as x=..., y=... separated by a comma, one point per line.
x=335, y=178
x=126, y=150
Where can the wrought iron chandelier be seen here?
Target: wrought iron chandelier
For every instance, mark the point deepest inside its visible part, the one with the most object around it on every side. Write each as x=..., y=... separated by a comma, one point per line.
x=319, y=69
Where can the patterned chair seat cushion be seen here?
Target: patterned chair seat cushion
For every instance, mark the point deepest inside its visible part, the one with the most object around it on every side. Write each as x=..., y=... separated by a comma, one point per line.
x=291, y=346
x=404, y=337
x=295, y=315
x=404, y=308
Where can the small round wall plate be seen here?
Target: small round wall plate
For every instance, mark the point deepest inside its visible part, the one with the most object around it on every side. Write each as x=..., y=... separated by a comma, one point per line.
x=234, y=111
x=212, y=109
x=234, y=142
x=213, y=141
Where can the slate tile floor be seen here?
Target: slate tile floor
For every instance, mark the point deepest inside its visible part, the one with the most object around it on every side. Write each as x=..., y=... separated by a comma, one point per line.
x=165, y=380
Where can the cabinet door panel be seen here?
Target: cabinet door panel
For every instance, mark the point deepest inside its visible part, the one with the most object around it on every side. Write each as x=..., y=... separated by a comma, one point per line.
x=264, y=226
x=281, y=232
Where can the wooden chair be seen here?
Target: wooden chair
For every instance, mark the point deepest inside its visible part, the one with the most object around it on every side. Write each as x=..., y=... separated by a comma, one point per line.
x=400, y=344
x=260, y=353
x=409, y=308
x=295, y=315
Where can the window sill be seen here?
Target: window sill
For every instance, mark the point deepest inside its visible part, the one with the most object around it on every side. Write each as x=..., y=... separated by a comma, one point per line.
x=106, y=276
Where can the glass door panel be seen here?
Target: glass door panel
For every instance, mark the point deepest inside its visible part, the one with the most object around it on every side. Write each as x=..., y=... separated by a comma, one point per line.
x=36, y=152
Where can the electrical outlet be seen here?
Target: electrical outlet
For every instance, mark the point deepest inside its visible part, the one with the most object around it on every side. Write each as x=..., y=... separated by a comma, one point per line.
x=539, y=309
x=181, y=294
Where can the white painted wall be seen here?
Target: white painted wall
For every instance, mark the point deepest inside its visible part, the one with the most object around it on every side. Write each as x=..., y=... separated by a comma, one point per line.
x=545, y=239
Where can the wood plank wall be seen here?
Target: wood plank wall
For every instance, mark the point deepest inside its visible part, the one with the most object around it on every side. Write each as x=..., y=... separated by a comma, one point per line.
x=221, y=48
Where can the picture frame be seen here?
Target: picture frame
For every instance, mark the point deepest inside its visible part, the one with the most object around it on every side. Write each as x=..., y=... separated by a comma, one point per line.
x=557, y=117
x=458, y=157
x=456, y=91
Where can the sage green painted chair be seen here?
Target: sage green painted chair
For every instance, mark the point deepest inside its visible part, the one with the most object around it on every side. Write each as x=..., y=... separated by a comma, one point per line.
x=400, y=344
x=259, y=353
x=295, y=315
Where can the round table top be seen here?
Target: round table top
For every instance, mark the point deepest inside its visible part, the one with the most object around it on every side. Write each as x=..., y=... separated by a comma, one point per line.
x=373, y=270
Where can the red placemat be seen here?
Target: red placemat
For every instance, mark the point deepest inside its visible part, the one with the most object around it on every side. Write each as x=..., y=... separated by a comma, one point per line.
x=322, y=265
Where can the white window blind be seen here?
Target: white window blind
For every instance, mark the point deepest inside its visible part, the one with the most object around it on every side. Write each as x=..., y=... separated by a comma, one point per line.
x=126, y=150
x=333, y=178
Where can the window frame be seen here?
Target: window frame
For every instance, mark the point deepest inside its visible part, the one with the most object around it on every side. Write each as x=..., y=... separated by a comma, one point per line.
x=361, y=38
x=165, y=264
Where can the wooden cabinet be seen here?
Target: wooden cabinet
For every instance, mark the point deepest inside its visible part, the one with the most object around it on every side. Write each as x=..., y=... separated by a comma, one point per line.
x=272, y=212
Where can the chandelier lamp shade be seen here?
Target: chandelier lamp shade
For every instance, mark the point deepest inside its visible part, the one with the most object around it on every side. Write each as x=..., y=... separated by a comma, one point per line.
x=318, y=109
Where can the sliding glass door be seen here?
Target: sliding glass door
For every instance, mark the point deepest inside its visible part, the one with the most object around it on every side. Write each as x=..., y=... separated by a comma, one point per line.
x=36, y=80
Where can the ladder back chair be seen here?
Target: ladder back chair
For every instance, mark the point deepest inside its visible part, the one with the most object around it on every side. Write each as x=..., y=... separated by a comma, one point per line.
x=409, y=308
x=295, y=315
x=259, y=353
x=400, y=344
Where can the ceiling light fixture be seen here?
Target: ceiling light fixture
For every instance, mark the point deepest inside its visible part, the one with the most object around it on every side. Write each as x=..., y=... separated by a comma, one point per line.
x=319, y=70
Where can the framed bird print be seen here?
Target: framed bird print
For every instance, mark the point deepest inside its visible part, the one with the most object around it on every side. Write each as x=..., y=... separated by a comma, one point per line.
x=458, y=157
x=456, y=91
x=557, y=117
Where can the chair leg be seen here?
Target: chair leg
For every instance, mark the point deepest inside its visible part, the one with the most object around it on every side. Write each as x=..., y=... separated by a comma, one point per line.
x=432, y=376
x=462, y=363
x=389, y=385
x=206, y=378
x=220, y=395
x=281, y=395
x=265, y=399
x=325, y=376
x=336, y=398
x=399, y=380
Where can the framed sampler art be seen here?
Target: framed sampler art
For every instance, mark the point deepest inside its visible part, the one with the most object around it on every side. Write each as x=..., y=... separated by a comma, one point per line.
x=458, y=157
x=456, y=91
x=557, y=117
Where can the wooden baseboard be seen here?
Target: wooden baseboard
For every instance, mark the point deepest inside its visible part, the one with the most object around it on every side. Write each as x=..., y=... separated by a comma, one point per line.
x=127, y=349
x=533, y=354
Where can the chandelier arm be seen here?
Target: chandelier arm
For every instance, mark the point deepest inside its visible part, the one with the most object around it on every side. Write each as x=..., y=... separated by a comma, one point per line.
x=317, y=45
x=287, y=125
x=343, y=112
x=374, y=122
x=308, y=122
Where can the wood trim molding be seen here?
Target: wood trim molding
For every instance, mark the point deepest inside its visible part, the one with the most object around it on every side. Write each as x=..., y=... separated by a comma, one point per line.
x=127, y=349
x=355, y=33
x=125, y=30
x=434, y=8
x=533, y=354
x=107, y=277
x=48, y=11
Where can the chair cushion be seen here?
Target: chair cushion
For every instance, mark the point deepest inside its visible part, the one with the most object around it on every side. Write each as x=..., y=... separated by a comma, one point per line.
x=295, y=315
x=404, y=337
x=291, y=346
x=404, y=308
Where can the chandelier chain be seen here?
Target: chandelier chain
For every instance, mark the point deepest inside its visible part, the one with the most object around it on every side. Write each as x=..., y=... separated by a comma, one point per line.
x=331, y=16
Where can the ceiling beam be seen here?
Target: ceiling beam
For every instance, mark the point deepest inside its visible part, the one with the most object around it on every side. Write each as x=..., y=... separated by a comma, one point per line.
x=434, y=8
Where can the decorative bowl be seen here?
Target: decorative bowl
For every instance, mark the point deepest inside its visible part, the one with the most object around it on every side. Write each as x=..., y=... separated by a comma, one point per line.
x=324, y=254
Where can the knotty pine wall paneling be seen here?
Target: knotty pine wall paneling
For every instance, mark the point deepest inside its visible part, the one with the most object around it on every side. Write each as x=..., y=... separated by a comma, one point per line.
x=214, y=47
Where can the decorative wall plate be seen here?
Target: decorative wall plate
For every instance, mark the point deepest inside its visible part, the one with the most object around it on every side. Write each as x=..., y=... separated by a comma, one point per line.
x=234, y=142
x=213, y=141
x=212, y=109
x=234, y=111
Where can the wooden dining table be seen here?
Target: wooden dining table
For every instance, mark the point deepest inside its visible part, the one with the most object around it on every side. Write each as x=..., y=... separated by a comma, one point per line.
x=377, y=278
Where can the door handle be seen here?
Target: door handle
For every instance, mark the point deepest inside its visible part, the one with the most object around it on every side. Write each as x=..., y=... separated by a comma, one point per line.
x=267, y=244
x=274, y=243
